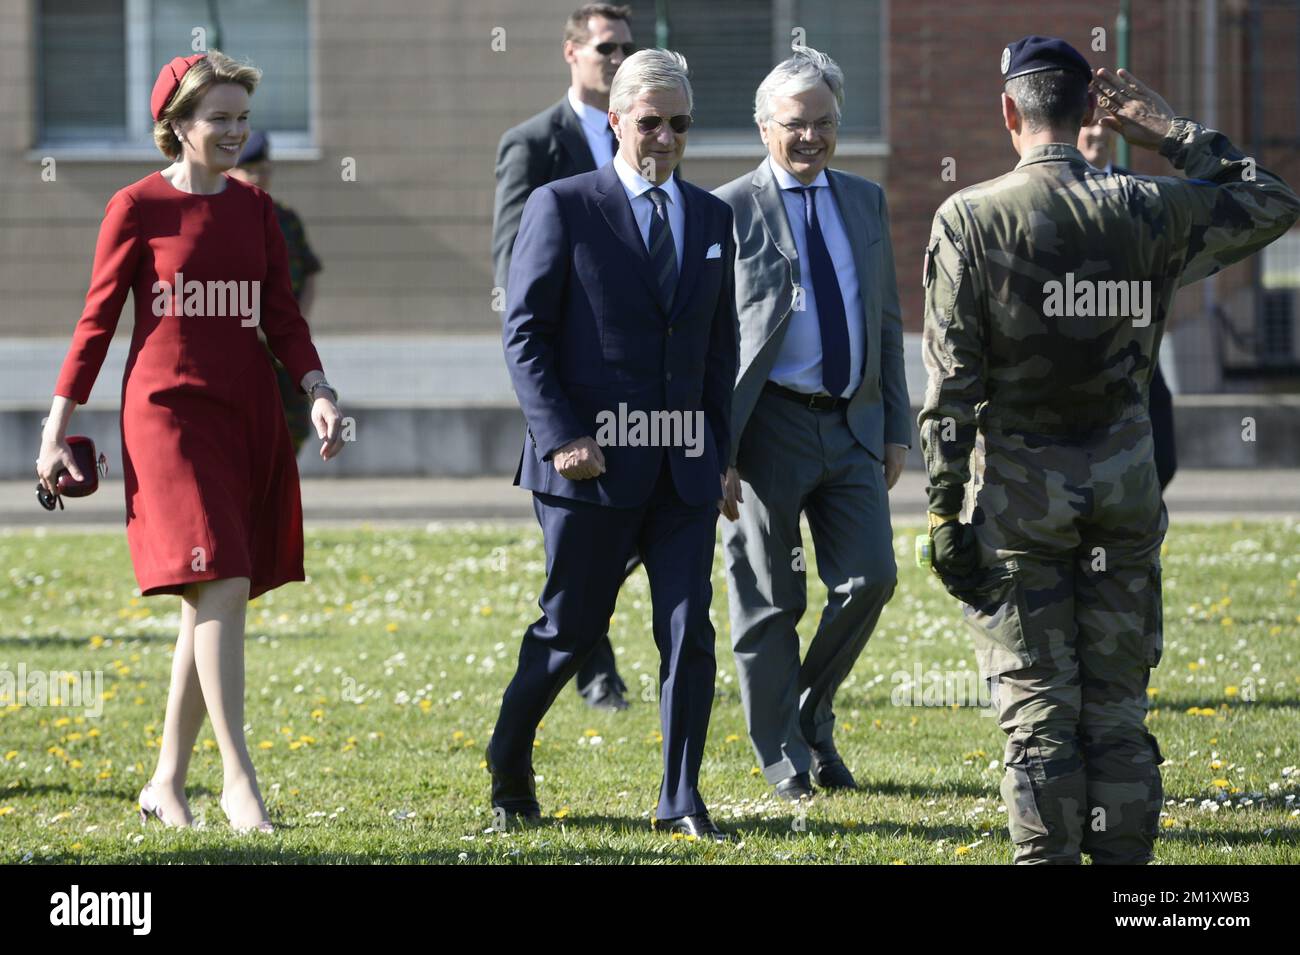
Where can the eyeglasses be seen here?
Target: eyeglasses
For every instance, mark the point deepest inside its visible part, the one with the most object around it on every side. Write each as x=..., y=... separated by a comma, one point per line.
x=648, y=124
x=797, y=127
x=609, y=46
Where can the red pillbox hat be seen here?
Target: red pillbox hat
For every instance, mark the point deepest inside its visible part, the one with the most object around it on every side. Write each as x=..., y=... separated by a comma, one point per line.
x=168, y=80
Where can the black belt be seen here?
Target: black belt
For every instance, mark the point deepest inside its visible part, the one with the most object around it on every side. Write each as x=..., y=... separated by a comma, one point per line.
x=815, y=402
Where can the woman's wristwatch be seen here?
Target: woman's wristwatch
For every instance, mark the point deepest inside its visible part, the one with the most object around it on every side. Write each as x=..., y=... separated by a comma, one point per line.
x=311, y=392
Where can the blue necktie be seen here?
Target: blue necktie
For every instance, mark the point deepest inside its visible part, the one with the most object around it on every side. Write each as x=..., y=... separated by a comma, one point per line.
x=830, y=301
x=663, y=253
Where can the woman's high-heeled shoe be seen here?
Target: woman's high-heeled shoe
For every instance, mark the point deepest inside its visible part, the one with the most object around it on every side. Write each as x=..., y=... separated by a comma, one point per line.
x=266, y=827
x=148, y=805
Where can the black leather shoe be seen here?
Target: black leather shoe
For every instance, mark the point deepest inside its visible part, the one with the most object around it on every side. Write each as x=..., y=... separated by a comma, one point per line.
x=829, y=771
x=606, y=698
x=515, y=795
x=699, y=826
x=796, y=787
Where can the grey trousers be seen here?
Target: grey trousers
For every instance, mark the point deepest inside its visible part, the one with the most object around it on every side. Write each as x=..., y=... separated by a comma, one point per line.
x=795, y=460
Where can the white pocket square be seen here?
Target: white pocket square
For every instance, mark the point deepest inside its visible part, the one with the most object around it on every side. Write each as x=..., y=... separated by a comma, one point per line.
x=715, y=251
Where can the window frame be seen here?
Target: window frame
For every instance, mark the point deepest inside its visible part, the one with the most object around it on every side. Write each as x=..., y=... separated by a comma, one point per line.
x=744, y=142
x=290, y=145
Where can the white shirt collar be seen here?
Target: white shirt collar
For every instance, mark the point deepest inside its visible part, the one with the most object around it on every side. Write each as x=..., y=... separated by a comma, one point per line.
x=786, y=180
x=636, y=184
x=594, y=119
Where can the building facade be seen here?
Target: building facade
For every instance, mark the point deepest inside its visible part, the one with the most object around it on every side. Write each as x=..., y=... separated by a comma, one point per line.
x=385, y=117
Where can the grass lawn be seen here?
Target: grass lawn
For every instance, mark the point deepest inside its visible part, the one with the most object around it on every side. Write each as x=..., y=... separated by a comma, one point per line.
x=372, y=691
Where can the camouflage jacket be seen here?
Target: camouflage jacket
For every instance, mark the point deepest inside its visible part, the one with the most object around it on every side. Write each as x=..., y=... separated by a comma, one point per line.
x=1047, y=289
x=302, y=260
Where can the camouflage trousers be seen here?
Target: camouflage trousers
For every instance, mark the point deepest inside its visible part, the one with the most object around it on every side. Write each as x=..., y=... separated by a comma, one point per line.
x=1068, y=626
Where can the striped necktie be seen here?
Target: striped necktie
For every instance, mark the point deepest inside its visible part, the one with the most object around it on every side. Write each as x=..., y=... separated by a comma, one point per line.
x=663, y=252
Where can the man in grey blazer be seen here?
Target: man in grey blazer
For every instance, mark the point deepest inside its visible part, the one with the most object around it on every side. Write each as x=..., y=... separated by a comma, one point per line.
x=571, y=137
x=820, y=422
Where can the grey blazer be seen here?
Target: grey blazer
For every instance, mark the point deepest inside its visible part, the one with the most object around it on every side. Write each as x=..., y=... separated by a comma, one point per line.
x=768, y=269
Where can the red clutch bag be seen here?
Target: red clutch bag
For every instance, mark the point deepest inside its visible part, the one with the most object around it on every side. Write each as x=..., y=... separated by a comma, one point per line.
x=89, y=464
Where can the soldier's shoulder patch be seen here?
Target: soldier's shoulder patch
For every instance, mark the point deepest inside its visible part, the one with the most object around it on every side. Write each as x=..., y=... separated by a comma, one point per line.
x=927, y=266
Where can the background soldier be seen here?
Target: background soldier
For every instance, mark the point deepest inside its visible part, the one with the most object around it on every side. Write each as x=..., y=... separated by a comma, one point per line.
x=1029, y=340
x=1096, y=144
x=255, y=168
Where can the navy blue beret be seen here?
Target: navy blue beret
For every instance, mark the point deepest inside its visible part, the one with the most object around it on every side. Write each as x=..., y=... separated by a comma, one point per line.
x=1036, y=54
x=256, y=149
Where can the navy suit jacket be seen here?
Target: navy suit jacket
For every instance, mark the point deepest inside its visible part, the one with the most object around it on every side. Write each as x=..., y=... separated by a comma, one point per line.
x=585, y=332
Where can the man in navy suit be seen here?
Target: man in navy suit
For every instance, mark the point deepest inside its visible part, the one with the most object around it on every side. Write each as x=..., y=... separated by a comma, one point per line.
x=620, y=337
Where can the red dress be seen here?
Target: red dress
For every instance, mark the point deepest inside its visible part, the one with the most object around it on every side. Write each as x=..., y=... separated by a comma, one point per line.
x=211, y=481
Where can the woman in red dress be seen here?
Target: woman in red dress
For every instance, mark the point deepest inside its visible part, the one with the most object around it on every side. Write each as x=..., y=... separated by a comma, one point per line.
x=213, y=511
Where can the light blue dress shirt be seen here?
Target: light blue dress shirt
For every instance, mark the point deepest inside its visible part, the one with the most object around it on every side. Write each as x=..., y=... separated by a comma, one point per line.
x=643, y=207
x=799, y=362
x=595, y=126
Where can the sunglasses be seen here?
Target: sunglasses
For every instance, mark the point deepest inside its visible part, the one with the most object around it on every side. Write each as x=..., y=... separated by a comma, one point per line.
x=648, y=124
x=609, y=46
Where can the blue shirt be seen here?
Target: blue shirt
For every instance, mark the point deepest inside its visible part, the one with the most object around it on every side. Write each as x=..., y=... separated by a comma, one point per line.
x=643, y=207
x=799, y=362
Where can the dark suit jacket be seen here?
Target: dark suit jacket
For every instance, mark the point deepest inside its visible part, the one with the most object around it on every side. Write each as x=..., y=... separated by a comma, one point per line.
x=549, y=146
x=585, y=331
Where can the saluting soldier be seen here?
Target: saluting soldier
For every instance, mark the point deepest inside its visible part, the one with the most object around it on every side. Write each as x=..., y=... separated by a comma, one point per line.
x=1046, y=294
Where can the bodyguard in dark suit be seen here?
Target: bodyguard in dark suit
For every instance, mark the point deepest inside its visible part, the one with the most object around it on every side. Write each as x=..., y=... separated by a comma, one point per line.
x=620, y=303
x=572, y=137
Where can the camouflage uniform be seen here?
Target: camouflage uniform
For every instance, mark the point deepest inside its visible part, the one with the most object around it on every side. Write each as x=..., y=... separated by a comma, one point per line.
x=1069, y=516
x=302, y=265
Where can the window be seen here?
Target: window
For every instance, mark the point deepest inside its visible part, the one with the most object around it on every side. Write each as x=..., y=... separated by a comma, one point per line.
x=97, y=61
x=730, y=45
x=82, y=84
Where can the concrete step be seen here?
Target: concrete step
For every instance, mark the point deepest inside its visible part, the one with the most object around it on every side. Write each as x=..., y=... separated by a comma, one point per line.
x=443, y=406
x=448, y=439
x=1212, y=495
x=368, y=369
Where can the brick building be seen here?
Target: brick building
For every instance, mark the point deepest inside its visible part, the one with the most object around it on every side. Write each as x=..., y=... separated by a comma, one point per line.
x=416, y=94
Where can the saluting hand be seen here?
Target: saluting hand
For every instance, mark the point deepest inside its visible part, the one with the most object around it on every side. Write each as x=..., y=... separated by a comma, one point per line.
x=1131, y=108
